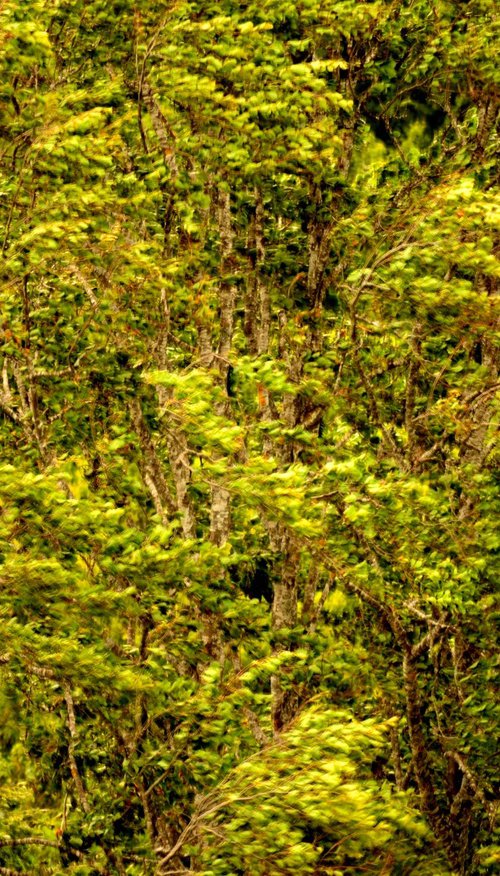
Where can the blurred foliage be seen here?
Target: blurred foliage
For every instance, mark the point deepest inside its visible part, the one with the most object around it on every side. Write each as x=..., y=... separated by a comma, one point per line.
x=248, y=417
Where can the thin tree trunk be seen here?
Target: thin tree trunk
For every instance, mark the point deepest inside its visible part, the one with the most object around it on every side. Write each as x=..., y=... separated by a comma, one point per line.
x=284, y=616
x=220, y=502
x=73, y=733
x=421, y=763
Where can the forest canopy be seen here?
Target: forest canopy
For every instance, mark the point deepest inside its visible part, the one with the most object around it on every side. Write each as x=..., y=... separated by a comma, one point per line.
x=248, y=417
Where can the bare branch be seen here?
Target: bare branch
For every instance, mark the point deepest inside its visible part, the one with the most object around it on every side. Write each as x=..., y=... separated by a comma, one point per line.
x=6, y=871
x=28, y=841
x=82, y=795
x=475, y=785
x=254, y=724
x=152, y=469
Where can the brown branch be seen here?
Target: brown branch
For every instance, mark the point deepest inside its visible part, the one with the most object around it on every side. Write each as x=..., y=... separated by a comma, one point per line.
x=429, y=640
x=257, y=302
x=220, y=501
x=227, y=290
x=319, y=239
x=309, y=593
x=151, y=469
x=374, y=409
x=477, y=395
x=8, y=411
x=178, y=452
x=421, y=761
x=475, y=785
x=407, y=776
x=81, y=793
x=39, y=671
x=141, y=80
x=28, y=841
x=13, y=202
x=253, y=722
x=6, y=871
x=366, y=596
x=411, y=388
x=380, y=261
x=396, y=756
x=315, y=615
x=82, y=279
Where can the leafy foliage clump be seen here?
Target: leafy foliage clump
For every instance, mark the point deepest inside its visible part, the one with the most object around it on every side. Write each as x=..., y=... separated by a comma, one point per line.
x=311, y=802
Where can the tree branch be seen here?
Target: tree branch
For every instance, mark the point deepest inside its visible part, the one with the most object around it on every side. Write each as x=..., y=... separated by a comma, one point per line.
x=28, y=841
x=82, y=796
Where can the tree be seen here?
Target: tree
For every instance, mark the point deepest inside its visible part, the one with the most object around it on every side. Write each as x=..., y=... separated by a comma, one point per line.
x=249, y=322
